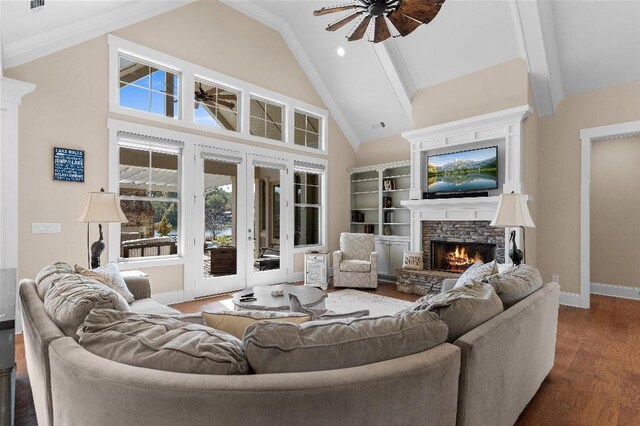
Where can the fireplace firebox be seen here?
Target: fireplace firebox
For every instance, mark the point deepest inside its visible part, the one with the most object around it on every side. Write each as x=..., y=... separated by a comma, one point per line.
x=458, y=256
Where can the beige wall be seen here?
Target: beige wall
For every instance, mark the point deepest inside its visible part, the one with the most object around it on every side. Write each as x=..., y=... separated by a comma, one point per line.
x=70, y=109
x=489, y=90
x=559, y=176
x=615, y=203
x=383, y=150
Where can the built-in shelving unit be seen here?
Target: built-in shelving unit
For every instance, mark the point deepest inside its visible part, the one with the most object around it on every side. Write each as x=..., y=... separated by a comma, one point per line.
x=376, y=194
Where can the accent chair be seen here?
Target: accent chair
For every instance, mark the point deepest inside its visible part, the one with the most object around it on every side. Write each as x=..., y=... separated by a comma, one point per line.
x=356, y=263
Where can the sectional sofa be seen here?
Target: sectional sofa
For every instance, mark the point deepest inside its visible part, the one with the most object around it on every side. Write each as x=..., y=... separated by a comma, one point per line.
x=486, y=377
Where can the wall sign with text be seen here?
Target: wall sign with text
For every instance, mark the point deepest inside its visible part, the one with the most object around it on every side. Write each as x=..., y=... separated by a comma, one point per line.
x=68, y=164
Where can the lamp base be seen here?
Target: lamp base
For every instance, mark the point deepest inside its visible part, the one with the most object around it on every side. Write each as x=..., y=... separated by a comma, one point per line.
x=515, y=253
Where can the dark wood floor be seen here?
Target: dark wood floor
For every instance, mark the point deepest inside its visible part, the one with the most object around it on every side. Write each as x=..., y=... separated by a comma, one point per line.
x=595, y=381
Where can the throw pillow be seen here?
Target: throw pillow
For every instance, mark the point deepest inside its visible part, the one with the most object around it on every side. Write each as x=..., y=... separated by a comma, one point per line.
x=462, y=308
x=72, y=298
x=477, y=272
x=50, y=274
x=412, y=260
x=110, y=276
x=235, y=322
x=516, y=283
x=326, y=345
x=161, y=342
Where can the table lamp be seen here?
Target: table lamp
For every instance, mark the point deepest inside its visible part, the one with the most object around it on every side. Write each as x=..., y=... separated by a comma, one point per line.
x=514, y=212
x=100, y=207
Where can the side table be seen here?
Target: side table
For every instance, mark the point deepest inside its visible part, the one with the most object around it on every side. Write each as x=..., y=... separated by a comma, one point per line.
x=316, y=269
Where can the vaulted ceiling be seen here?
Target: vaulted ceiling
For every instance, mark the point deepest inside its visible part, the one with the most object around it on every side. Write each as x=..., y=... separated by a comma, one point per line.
x=570, y=46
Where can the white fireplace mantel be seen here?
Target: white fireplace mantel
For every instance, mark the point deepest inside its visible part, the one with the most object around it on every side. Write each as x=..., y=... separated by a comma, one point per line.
x=505, y=125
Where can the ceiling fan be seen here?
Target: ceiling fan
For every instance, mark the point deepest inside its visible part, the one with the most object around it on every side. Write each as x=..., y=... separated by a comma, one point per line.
x=405, y=15
x=226, y=100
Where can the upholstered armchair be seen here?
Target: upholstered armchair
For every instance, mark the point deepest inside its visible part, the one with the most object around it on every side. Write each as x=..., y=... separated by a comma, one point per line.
x=356, y=263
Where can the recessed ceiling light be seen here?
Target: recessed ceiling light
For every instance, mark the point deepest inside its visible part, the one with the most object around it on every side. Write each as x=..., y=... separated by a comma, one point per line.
x=340, y=51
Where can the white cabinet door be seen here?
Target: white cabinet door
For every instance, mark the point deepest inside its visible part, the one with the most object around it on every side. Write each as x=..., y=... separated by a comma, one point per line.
x=382, y=248
x=396, y=254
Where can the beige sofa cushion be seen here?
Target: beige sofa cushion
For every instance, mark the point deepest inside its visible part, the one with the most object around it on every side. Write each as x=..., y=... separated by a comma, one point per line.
x=516, y=283
x=161, y=342
x=235, y=322
x=326, y=345
x=477, y=272
x=50, y=274
x=355, y=266
x=71, y=299
x=110, y=276
x=462, y=308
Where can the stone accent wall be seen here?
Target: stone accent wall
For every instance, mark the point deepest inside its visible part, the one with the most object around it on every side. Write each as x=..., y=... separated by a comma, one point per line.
x=469, y=231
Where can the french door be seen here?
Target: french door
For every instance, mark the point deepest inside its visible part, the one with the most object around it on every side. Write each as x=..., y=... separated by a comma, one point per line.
x=268, y=255
x=240, y=238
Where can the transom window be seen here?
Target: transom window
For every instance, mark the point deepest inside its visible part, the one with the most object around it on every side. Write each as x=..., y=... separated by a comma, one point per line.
x=306, y=130
x=265, y=119
x=307, y=208
x=150, y=197
x=148, y=88
x=215, y=106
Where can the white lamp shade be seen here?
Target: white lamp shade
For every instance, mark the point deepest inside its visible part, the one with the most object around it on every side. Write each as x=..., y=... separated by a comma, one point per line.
x=102, y=207
x=513, y=211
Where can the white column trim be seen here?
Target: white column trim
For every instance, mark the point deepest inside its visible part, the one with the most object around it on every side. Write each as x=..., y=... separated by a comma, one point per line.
x=11, y=94
x=587, y=137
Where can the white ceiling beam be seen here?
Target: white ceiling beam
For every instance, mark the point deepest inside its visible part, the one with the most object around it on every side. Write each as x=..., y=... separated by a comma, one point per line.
x=28, y=49
x=397, y=74
x=273, y=21
x=535, y=28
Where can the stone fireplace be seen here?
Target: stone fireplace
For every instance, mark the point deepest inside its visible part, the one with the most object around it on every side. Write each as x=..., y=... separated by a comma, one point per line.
x=477, y=239
x=460, y=222
x=458, y=256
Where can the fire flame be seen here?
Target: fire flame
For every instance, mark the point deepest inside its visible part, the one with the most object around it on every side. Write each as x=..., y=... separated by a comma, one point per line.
x=459, y=258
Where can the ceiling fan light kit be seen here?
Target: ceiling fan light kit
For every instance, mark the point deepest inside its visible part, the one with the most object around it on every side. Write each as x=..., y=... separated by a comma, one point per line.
x=404, y=15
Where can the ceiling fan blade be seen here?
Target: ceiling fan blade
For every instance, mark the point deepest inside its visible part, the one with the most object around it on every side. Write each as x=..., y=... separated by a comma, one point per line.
x=358, y=33
x=381, y=30
x=403, y=24
x=227, y=96
x=420, y=10
x=226, y=104
x=341, y=23
x=333, y=9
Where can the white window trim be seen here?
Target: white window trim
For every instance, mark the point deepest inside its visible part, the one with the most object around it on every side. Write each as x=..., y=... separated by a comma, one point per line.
x=188, y=72
x=190, y=141
x=114, y=186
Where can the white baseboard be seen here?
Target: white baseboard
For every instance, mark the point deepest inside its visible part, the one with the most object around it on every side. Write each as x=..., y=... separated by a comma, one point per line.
x=570, y=299
x=169, y=297
x=616, y=291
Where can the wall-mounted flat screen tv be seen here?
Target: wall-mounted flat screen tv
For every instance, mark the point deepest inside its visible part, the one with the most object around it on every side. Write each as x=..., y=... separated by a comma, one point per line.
x=472, y=170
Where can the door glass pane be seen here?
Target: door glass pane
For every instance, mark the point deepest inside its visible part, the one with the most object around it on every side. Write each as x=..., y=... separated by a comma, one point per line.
x=266, y=241
x=220, y=218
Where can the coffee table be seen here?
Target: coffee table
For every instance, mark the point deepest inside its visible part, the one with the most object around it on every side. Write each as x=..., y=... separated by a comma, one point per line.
x=310, y=297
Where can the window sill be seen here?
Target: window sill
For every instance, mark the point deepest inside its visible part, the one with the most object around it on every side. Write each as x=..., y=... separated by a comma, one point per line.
x=127, y=265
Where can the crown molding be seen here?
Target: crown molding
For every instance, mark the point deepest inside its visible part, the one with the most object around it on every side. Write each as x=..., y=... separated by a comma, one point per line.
x=42, y=44
x=276, y=23
x=471, y=126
